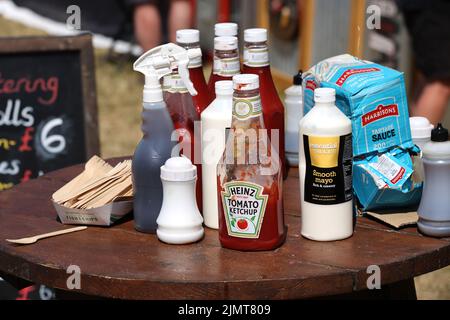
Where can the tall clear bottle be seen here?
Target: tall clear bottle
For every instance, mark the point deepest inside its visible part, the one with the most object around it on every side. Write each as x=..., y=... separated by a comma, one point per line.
x=256, y=61
x=190, y=39
x=226, y=60
x=250, y=184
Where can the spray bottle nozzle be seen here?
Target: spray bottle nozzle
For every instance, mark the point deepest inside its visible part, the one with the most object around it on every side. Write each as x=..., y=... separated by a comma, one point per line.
x=161, y=61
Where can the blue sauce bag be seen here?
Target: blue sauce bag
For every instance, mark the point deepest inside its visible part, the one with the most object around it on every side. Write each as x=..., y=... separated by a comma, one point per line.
x=374, y=98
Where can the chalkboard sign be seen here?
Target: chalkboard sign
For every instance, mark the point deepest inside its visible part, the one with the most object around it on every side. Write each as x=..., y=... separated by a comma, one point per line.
x=48, y=110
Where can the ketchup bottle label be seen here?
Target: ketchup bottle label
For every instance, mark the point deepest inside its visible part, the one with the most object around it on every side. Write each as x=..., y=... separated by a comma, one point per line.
x=247, y=108
x=173, y=83
x=256, y=57
x=226, y=66
x=244, y=207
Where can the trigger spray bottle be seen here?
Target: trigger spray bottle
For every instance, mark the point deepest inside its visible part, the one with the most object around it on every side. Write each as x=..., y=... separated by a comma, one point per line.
x=157, y=127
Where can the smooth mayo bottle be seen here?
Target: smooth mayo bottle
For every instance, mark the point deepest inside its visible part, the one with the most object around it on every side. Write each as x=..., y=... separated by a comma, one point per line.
x=216, y=119
x=325, y=146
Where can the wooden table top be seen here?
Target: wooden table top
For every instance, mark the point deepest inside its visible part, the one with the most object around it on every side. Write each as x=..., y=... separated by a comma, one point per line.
x=119, y=262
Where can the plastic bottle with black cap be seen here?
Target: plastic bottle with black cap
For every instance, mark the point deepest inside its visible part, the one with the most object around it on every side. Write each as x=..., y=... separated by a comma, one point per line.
x=434, y=208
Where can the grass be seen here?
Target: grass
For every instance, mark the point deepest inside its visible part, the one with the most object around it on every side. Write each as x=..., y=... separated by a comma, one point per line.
x=119, y=93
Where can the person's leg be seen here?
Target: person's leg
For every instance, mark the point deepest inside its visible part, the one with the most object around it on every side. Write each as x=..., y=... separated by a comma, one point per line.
x=433, y=101
x=147, y=26
x=180, y=17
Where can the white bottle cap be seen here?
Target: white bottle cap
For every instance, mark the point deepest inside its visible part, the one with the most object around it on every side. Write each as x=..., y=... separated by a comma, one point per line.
x=255, y=35
x=224, y=87
x=420, y=127
x=245, y=81
x=188, y=36
x=225, y=43
x=225, y=29
x=178, y=169
x=324, y=95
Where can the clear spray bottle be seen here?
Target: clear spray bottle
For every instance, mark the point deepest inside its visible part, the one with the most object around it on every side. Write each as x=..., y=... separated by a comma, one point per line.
x=157, y=127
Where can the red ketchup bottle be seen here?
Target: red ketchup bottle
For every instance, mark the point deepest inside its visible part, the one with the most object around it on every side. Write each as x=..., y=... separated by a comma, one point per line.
x=226, y=61
x=256, y=61
x=250, y=183
x=190, y=39
x=184, y=113
x=223, y=29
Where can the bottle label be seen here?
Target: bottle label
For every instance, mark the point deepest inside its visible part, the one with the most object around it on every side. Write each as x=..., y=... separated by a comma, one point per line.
x=173, y=83
x=244, y=207
x=328, y=176
x=226, y=67
x=247, y=108
x=256, y=57
x=167, y=82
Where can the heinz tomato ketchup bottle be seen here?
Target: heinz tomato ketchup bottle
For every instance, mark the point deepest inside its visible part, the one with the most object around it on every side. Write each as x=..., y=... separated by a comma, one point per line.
x=249, y=177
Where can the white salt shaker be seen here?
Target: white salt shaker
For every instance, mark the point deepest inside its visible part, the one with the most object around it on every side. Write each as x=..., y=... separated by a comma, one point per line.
x=179, y=221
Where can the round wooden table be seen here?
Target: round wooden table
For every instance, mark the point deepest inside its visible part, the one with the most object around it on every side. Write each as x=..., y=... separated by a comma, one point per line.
x=119, y=262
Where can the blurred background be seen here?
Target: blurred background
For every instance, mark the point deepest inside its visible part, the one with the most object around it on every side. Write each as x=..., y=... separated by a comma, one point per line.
x=301, y=33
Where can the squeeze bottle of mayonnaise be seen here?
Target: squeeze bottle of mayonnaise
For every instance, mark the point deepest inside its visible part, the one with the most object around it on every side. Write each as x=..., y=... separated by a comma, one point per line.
x=325, y=147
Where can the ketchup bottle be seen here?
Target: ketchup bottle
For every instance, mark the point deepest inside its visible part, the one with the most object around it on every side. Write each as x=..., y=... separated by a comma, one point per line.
x=184, y=114
x=189, y=39
x=223, y=29
x=226, y=61
x=256, y=61
x=249, y=178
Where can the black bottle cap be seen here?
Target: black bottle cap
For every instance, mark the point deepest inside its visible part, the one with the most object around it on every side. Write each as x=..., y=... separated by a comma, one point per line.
x=439, y=134
x=298, y=78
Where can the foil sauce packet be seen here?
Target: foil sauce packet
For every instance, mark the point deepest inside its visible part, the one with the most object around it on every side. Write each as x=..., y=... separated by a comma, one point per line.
x=374, y=98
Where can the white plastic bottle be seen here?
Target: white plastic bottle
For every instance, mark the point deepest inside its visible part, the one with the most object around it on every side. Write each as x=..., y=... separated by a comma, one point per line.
x=434, y=208
x=179, y=221
x=421, y=134
x=216, y=119
x=293, y=103
x=420, y=130
x=325, y=144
